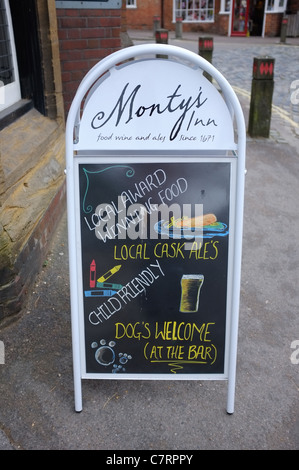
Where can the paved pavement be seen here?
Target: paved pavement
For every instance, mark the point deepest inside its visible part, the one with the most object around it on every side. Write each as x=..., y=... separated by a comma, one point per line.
x=36, y=383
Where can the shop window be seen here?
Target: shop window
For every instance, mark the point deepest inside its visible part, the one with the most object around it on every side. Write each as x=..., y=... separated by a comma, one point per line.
x=131, y=3
x=194, y=11
x=9, y=78
x=225, y=6
x=276, y=6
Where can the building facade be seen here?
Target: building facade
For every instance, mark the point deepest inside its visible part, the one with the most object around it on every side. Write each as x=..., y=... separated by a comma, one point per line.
x=32, y=145
x=224, y=17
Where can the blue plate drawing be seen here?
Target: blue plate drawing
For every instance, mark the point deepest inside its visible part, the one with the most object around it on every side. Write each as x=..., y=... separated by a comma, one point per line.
x=218, y=229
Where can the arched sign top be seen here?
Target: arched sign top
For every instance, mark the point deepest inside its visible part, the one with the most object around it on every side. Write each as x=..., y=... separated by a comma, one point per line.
x=153, y=104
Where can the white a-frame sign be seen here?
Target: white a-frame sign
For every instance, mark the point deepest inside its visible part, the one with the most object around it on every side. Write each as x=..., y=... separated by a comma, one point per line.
x=155, y=188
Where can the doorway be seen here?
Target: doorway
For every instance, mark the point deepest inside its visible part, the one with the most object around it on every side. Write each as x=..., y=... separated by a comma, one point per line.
x=256, y=17
x=247, y=17
x=240, y=13
x=25, y=24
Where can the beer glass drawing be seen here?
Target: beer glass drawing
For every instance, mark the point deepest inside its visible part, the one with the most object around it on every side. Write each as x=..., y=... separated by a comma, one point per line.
x=190, y=290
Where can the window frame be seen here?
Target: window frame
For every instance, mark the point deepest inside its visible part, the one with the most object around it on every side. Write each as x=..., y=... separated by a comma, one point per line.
x=10, y=93
x=179, y=9
x=274, y=6
x=133, y=5
x=225, y=7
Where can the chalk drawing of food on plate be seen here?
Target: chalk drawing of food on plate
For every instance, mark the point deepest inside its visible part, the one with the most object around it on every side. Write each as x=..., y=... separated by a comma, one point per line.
x=203, y=226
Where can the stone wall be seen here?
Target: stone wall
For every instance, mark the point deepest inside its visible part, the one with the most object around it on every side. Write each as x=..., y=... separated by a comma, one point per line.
x=32, y=164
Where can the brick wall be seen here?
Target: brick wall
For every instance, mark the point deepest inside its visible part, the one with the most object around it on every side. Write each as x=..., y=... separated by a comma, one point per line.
x=273, y=24
x=142, y=17
x=85, y=37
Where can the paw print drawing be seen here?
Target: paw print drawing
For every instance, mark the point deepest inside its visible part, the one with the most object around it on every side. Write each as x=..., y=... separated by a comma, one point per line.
x=123, y=359
x=105, y=355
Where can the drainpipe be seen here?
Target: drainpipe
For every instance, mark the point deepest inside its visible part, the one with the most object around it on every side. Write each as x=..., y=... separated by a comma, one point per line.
x=230, y=19
x=264, y=19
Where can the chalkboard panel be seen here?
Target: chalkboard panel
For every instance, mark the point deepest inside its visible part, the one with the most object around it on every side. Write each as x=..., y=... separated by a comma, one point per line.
x=155, y=261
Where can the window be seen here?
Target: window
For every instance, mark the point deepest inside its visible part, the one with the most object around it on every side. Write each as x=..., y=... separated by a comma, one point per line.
x=194, y=10
x=131, y=4
x=9, y=78
x=276, y=6
x=270, y=5
x=7, y=70
x=224, y=6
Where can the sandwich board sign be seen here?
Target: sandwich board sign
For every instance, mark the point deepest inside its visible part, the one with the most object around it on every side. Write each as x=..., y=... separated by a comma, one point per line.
x=155, y=189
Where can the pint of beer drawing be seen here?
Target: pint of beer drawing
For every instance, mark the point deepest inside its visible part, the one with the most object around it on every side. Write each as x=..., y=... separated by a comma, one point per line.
x=190, y=290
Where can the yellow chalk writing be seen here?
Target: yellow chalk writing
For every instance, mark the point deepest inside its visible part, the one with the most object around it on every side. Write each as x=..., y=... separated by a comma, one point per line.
x=208, y=250
x=173, y=331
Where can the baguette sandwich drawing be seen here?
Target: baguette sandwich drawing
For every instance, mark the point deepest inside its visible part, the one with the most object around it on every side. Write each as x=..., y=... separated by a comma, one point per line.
x=199, y=221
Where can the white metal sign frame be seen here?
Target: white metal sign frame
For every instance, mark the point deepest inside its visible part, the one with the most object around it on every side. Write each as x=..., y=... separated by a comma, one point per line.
x=79, y=149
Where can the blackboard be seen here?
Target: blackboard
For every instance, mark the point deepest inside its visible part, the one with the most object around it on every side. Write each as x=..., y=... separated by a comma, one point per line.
x=147, y=229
